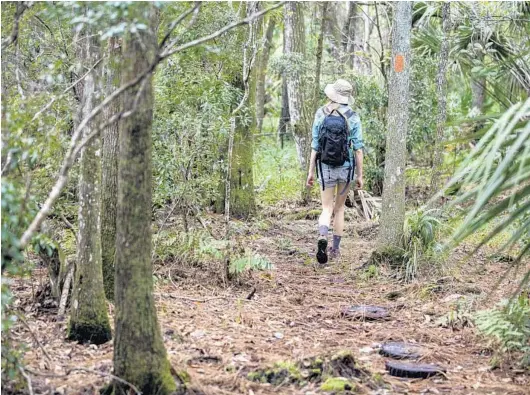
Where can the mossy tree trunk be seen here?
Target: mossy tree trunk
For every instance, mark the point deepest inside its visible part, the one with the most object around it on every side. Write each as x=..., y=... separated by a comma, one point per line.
x=262, y=73
x=139, y=354
x=109, y=173
x=353, y=37
x=393, y=210
x=441, y=92
x=284, y=113
x=89, y=321
x=333, y=33
x=318, y=64
x=294, y=51
x=242, y=197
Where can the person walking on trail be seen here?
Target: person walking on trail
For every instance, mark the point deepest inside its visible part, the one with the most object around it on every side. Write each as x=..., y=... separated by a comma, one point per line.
x=336, y=156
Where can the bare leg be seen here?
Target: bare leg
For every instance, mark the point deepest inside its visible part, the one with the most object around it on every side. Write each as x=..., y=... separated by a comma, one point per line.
x=327, y=206
x=338, y=210
x=323, y=224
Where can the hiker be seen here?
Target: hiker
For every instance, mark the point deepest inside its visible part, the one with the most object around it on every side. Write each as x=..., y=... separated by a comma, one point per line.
x=337, y=135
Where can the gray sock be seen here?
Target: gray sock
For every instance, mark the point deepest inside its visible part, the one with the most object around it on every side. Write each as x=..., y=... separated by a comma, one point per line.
x=323, y=230
x=336, y=242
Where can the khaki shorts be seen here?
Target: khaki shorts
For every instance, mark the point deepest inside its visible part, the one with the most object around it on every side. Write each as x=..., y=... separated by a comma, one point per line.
x=333, y=175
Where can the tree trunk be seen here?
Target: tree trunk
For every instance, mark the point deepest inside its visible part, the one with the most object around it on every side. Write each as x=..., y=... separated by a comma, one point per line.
x=355, y=36
x=242, y=197
x=318, y=65
x=478, y=94
x=284, y=115
x=333, y=34
x=393, y=210
x=139, y=354
x=367, y=32
x=109, y=174
x=441, y=88
x=295, y=49
x=262, y=73
x=88, y=319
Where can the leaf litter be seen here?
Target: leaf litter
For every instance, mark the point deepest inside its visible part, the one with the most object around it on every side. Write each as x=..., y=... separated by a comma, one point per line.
x=218, y=336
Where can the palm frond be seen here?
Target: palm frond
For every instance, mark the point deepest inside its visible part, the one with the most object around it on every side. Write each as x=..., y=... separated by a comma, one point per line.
x=496, y=183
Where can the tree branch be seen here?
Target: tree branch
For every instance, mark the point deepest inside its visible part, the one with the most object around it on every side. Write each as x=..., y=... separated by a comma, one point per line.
x=176, y=22
x=21, y=8
x=74, y=147
x=220, y=32
x=47, y=106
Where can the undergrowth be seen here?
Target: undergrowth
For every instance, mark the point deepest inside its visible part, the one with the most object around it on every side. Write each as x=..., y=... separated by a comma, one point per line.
x=422, y=230
x=199, y=248
x=420, y=240
x=276, y=171
x=248, y=262
x=508, y=327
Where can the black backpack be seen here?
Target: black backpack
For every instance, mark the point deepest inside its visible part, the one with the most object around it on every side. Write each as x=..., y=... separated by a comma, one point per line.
x=333, y=140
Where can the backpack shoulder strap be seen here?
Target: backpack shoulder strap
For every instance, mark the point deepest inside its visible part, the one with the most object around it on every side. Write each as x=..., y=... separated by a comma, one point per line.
x=349, y=113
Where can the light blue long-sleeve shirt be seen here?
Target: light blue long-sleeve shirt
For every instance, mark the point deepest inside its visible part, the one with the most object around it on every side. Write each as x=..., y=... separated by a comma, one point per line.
x=354, y=122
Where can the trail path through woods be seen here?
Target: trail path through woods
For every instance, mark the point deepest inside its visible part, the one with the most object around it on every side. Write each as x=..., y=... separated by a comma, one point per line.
x=218, y=336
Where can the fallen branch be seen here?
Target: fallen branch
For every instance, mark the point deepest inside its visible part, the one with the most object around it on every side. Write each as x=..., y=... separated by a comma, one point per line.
x=24, y=322
x=28, y=379
x=66, y=289
x=173, y=296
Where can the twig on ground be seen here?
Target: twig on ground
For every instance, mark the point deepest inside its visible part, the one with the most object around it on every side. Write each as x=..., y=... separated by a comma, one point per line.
x=173, y=296
x=28, y=380
x=73, y=370
x=25, y=323
x=251, y=294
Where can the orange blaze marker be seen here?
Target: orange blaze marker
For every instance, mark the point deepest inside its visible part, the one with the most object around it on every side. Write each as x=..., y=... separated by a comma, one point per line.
x=399, y=62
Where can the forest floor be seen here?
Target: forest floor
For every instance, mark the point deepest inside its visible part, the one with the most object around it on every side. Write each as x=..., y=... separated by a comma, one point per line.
x=218, y=336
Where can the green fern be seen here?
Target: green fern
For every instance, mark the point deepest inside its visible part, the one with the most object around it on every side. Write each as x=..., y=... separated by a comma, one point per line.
x=508, y=326
x=248, y=262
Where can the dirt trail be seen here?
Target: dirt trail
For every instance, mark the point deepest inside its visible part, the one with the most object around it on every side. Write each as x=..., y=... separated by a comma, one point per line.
x=218, y=336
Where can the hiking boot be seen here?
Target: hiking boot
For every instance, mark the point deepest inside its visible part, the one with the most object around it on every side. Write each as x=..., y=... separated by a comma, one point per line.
x=322, y=246
x=334, y=254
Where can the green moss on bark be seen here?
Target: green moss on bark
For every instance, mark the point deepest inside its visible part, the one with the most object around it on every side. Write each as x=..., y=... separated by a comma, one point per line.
x=88, y=319
x=109, y=173
x=139, y=354
x=91, y=332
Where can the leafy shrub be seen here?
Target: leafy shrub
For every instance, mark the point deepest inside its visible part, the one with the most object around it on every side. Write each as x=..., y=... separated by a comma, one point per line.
x=508, y=326
x=420, y=234
x=276, y=172
x=371, y=102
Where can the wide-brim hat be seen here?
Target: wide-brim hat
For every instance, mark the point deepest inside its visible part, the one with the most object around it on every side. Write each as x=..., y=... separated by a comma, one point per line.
x=340, y=92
